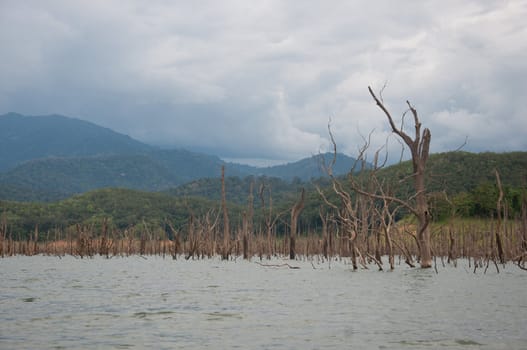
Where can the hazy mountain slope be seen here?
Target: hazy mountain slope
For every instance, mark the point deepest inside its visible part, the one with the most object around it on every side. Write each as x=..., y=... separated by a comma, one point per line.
x=305, y=169
x=24, y=138
x=53, y=157
x=188, y=165
x=57, y=178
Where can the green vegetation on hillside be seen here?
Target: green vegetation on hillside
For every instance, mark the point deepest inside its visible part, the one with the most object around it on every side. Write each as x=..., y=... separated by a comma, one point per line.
x=467, y=180
x=456, y=172
x=58, y=178
x=124, y=209
x=464, y=184
x=24, y=138
x=48, y=158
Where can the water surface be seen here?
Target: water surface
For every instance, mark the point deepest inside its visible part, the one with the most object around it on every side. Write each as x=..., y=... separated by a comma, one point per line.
x=135, y=302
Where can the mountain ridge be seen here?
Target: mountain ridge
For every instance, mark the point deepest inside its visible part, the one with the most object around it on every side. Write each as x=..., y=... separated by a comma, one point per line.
x=63, y=156
x=25, y=138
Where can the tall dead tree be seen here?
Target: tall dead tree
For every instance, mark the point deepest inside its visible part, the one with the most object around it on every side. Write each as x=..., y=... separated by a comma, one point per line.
x=267, y=215
x=347, y=213
x=295, y=213
x=247, y=224
x=269, y=220
x=419, y=147
x=226, y=229
x=499, y=211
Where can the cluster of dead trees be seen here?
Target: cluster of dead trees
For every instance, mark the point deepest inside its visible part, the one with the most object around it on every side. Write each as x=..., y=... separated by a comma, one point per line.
x=372, y=203
x=358, y=221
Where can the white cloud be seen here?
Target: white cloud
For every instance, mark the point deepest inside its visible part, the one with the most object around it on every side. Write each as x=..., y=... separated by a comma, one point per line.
x=260, y=80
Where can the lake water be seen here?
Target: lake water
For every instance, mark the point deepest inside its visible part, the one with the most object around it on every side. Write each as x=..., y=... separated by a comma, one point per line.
x=133, y=302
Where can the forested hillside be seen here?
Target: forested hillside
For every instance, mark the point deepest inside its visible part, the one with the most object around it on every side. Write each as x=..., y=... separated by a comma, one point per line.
x=465, y=183
x=456, y=172
x=128, y=208
x=124, y=209
x=25, y=138
x=58, y=178
x=459, y=183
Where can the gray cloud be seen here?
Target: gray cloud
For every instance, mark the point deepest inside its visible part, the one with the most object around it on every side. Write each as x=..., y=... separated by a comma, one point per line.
x=247, y=80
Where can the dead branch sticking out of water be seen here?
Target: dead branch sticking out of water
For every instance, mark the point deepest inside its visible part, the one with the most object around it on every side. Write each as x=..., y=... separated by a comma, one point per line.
x=278, y=265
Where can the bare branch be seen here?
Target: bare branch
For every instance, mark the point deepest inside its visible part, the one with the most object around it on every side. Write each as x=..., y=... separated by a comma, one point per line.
x=462, y=145
x=401, y=133
x=334, y=144
x=325, y=199
x=416, y=122
x=389, y=198
x=382, y=90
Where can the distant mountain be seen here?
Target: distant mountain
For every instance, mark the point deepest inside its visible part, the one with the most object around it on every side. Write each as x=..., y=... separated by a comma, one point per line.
x=188, y=166
x=57, y=178
x=310, y=168
x=54, y=178
x=48, y=158
x=25, y=138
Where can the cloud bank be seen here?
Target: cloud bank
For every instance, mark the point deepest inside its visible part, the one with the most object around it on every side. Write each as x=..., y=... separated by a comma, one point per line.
x=248, y=80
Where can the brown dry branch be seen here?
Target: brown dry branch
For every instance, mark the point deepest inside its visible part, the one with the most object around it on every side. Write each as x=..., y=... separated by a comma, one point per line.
x=278, y=265
x=419, y=147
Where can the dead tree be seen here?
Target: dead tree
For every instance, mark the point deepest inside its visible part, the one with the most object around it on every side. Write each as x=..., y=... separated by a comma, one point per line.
x=419, y=148
x=295, y=213
x=269, y=220
x=499, y=210
x=387, y=221
x=248, y=222
x=326, y=247
x=191, y=237
x=347, y=214
x=226, y=229
x=175, y=239
x=3, y=233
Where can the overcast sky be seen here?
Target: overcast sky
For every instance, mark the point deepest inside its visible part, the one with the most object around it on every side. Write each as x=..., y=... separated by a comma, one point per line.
x=258, y=80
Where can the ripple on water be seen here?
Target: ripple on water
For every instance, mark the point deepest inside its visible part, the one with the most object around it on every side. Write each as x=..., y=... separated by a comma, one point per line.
x=29, y=299
x=438, y=343
x=218, y=316
x=126, y=303
x=149, y=314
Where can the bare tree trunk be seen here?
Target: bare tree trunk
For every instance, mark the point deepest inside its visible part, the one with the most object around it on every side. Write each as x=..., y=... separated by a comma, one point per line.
x=524, y=221
x=389, y=249
x=419, y=147
x=191, y=239
x=423, y=219
x=378, y=244
x=3, y=231
x=35, y=241
x=267, y=218
x=248, y=229
x=295, y=212
x=451, y=245
x=325, y=242
x=353, y=253
x=499, y=208
x=245, y=242
x=226, y=229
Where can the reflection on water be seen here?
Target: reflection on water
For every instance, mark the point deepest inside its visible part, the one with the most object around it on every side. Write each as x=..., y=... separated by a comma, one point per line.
x=125, y=303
